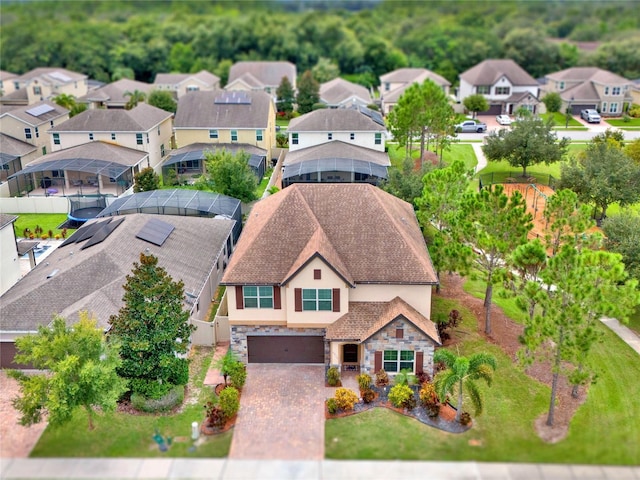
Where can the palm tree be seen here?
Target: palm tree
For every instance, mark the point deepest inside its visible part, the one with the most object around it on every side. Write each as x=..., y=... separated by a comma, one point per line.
x=135, y=97
x=462, y=372
x=65, y=100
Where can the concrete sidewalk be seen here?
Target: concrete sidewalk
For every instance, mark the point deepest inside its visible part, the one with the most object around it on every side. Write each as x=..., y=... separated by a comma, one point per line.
x=225, y=469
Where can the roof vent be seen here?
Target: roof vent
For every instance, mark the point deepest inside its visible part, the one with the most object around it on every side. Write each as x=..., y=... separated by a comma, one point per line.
x=53, y=274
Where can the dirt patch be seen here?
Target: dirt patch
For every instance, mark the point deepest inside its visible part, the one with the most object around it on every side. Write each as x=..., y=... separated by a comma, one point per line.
x=505, y=333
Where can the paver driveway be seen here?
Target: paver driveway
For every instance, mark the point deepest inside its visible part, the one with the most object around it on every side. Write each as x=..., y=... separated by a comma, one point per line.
x=281, y=413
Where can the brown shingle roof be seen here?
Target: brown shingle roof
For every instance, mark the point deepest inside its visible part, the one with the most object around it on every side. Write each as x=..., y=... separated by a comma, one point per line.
x=489, y=72
x=4, y=75
x=413, y=75
x=375, y=235
x=113, y=93
x=60, y=75
x=14, y=147
x=268, y=73
x=177, y=78
x=92, y=279
x=334, y=120
x=103, y=151
x=338, y=90
x=337, y=149
x=200, y=110
x=139, y=119
x=367, y=318
x=23, y=115
x=584, y=74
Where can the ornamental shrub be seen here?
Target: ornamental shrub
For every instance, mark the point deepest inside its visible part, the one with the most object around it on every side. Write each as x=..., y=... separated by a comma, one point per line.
x=173, y=397
x=333, y=376
x=368, y=395
x=465, y=418
x=332, y=405
x=229, y=401
x=238, y=375
x=399, y=395
x=364, y=381
x=345, y=398
x=382, y=378
x=153, y=389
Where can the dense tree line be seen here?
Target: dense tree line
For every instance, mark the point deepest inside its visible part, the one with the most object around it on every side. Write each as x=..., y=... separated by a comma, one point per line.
x=109, y=40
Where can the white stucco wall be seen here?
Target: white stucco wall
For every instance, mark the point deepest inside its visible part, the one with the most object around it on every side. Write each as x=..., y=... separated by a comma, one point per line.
x=362, y=139
x=9, y=262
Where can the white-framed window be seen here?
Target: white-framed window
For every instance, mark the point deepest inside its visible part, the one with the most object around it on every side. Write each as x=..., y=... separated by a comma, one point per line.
x=616, y=91
x=483, y=89
x=139, y=140
x=37, y=132
x=352, y=136
x=606, y=90
x=113, y=136
x=91, y=136
x=378, y=140
x=56, y=139
x=258, y=135
x=613, y=107
x=317, y=299
x=27, y=133
x=561, y=86
x=329, y=136
x=294, y=139
x=37, y=91
x=192, y=88
x=234, y=135
x=396, y=360
x=503, y=90
x=213, y=133
x=257, y=296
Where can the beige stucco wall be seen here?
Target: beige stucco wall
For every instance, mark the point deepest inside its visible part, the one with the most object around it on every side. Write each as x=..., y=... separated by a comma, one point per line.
x=418, y=296
x=335, y=352
x=15, y=128
x=362, y=139
x=9, y=262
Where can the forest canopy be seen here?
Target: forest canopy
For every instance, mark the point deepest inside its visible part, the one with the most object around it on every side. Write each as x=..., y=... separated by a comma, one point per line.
x=110, y=39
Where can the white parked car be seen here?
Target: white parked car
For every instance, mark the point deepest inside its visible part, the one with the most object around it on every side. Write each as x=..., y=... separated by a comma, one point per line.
x=503, y=119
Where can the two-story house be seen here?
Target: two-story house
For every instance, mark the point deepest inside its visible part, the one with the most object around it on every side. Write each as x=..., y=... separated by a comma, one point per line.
x=336, y=145
x=115, y=94
x=350, y=285
x=506, y=86
x=590, y=88
x=393, y=84
x=339, y=93
x=263, y=75
x=179, y=84
x=234, y=120
x=43, y=84
x=6, y=82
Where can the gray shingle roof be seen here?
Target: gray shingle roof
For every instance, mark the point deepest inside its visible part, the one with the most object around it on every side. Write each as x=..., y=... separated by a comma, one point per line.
x=95, y=151
x=413, y=75
x=23, y=115
x=338, y=90
x=92, y=279
x=17, y=95
x=177, y=78
x=268, y=73
x=60, y=75
x=6, y=219
x=585, y=74
x=489, y=72
x=334, y=120
x=113, y=93
x=200, y=110
x=139, y=119
x=4, y=75
x=369, y=236
x=13, y=146
x=337, y=149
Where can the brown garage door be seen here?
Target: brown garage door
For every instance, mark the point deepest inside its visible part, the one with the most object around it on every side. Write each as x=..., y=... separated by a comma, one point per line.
x=576, y=109
x=495, y=109
x=285, y=349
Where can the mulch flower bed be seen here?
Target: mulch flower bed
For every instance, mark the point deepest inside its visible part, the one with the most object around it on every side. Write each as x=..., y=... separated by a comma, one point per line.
x=444, y=421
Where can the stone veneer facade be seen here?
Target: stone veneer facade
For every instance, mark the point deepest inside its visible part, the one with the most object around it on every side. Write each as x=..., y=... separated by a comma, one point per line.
x=239, y=337
x=385, y=339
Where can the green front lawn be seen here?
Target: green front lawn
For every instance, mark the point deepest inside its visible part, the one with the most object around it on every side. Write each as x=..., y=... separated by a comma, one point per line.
x=634, y=321
x=618, y=122
x=560, y=121
x=505, y=430
x=126, y=435
x=457, y=151
x=47, y=221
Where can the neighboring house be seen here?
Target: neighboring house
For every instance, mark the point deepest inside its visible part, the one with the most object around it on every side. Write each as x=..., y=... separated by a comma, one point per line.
x=356, y=126
x=339, y=92
x=143, y=128
x=6, y=82
x=89, y=168
x=634, y=90
x=506, y=86
x=333, y=162
x=590, y=88
x=350, y=284
x=182, y=83
x=13, y=154
x=113, y=95
x=393, y=84
x=43, y=84
x=264, y=75
x=88, y=271
x=189, y=162
x=29, y=124
x=222, y=117
x=9, y=261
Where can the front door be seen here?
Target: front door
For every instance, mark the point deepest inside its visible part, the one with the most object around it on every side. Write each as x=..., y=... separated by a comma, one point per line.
x=350, y=353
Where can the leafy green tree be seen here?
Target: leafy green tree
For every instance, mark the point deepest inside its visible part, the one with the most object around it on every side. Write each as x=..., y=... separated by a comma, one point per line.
x=552, y=101
x=286, y=96
x=461, y=375
x=231, y=175
x=602, y=175
x=65, y=100
x=123, y=72
x=308, y=92
x=81, y=372
x=527, y=260
x=632, y=149
x=222, y=70
x=438, y=207
x=530, y=49
x=135, y=97
x=494, y=225
x=612, y=137
x=476, y=103
x=406, y=182
x=566, y=220
x=587, y=284
x=325, y=70
x=181, y=57
x=619, y=56
x=153, y=329
x=622, y=235
x=146, y=180
x=162, y=99
x=529, y=142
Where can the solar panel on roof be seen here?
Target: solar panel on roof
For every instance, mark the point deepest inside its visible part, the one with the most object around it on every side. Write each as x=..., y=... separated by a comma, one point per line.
x=236, y=97
x=60, y=76
x=155, y=231
x=102, y=233
x=90, y=230
x=40, y=109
